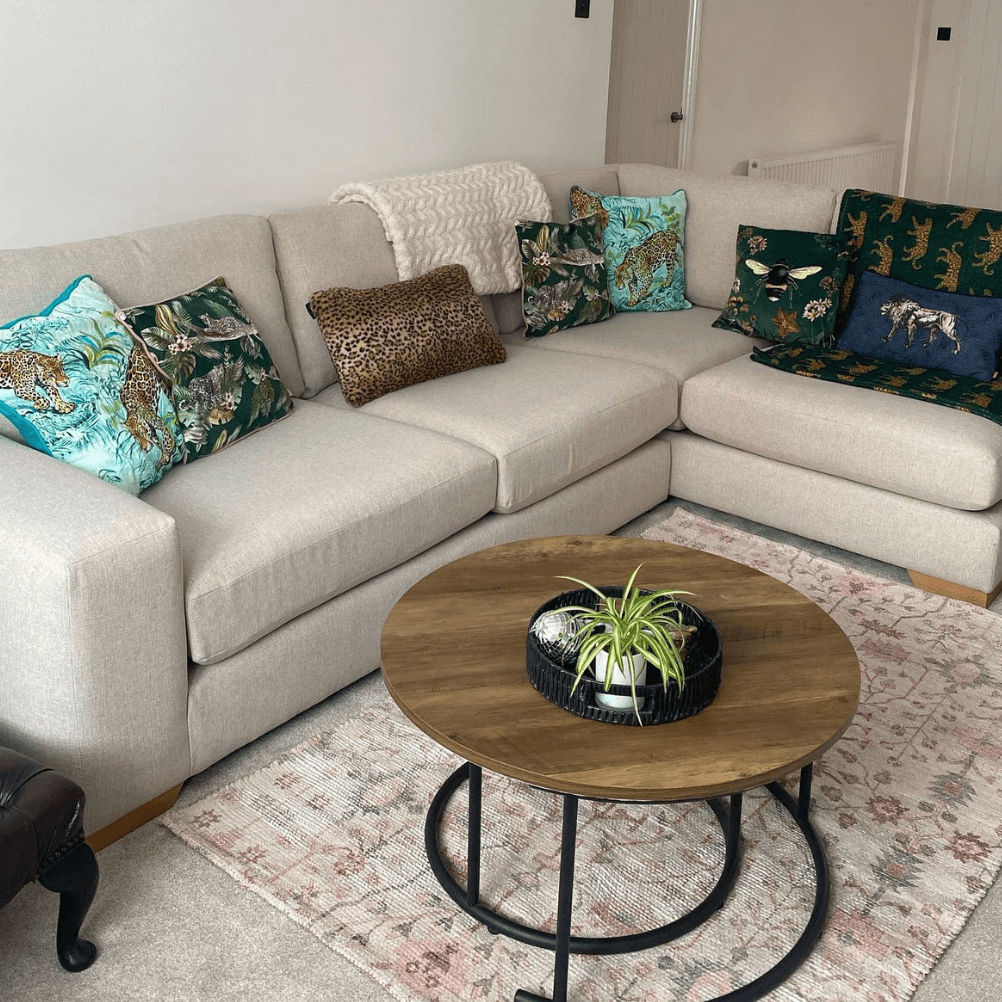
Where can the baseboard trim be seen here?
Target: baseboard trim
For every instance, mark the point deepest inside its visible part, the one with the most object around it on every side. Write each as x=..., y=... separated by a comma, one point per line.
x=950, y=590
x=134, y=819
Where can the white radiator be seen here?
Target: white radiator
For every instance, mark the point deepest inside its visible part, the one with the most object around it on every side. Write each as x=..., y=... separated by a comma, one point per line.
x=868, y=165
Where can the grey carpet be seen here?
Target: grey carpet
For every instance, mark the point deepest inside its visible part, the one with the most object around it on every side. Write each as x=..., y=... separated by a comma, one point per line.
x=170, y=925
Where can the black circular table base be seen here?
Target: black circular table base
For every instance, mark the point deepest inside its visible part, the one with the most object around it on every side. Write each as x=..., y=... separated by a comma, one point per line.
x=563, y=944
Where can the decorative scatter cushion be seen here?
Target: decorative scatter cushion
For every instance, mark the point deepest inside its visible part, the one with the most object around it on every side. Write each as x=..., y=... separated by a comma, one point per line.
x=587, y=203
x=221, y=377
x=786, y=285
x=895, y=320
x=564, y=279
x=976, y=396
x=937, y=246
x=643, y=242
x=387, y=338
x=75, y=385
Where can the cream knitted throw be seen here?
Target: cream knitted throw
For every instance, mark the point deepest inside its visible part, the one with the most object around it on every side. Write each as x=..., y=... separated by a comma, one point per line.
x=465, y=216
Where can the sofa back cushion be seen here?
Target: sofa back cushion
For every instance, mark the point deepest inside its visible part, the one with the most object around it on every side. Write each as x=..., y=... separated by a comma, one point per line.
x=604, y=180
x=323, y=247
x=716, y=206
x=149, y=266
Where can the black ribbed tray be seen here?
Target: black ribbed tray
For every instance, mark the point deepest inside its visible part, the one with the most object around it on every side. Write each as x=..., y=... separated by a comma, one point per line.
x=703, y=661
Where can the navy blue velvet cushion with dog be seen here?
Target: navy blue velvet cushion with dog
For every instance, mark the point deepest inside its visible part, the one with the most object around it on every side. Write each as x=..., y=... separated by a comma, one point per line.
x=905, y=323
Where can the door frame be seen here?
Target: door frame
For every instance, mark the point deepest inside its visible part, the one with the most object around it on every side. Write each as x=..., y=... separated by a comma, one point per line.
x=689, y=82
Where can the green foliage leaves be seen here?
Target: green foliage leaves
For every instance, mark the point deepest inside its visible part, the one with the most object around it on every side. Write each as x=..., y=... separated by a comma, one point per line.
x=638, y=623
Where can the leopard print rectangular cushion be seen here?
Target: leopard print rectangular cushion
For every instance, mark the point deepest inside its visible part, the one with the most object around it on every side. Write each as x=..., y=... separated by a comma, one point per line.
x=397, y=335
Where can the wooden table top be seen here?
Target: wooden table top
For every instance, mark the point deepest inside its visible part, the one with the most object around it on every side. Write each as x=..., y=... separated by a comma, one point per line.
x=453, y=652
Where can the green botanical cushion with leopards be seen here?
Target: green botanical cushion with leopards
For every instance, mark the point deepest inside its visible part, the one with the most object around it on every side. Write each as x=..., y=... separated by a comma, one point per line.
x=221, y=377
x=76, y=386
x=564, y=279
x=981, y=397
x=644, y=247
x=933, y=245
x=786, y=285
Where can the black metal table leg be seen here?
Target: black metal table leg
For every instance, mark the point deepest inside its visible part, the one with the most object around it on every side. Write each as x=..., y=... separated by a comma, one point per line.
x=563, y=944
x=804, y=796
x=473, y=837
x=565, y=894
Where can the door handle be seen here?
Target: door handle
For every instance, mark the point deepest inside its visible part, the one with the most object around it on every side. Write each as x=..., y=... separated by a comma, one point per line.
x=676, y=116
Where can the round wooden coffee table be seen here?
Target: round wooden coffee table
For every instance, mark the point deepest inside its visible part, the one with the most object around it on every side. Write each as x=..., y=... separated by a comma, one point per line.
x=453, y=653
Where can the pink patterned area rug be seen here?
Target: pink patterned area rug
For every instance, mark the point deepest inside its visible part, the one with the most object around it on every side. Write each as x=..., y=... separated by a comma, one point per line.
x=908, y=804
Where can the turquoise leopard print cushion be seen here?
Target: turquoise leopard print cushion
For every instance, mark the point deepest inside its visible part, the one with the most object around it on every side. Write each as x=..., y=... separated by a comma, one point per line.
x=643, y=242
x=77, y=386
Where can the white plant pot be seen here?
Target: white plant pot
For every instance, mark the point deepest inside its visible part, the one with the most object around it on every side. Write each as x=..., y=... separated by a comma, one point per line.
x=610, y=701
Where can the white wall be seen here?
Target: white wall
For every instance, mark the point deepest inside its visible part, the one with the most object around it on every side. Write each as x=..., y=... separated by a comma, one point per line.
x=121, y=114
x=791, y=76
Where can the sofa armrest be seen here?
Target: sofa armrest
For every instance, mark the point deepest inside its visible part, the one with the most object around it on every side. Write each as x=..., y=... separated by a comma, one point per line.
x=93, y=662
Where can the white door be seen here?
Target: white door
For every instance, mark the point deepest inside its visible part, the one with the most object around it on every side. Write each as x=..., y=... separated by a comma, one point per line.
x=646, y=81
x=976, y=172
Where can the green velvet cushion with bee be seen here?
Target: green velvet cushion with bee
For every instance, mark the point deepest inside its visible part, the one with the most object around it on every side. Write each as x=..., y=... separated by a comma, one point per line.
x=786, y=285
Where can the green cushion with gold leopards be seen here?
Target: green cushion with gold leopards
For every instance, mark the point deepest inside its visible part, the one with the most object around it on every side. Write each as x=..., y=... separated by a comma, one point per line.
x=932, y=245
x=981, y=397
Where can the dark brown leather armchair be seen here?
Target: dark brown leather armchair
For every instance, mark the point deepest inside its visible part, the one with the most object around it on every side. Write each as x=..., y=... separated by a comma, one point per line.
x=42, y=837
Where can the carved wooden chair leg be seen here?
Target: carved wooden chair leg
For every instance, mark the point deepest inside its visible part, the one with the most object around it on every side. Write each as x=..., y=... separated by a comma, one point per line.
x=74, y=878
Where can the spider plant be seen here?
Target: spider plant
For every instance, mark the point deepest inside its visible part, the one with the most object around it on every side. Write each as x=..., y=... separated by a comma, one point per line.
x=646, y=624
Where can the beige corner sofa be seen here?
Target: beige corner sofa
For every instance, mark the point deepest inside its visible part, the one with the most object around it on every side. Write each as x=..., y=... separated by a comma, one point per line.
x=143, y=639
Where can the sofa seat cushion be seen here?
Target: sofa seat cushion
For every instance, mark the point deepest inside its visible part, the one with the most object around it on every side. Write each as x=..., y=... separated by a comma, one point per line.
x=548, y=417
x=305, y=510
x=680, y=343
x=910, y=447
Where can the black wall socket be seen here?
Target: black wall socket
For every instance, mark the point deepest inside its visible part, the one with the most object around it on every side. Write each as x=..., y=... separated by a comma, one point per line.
x=582, y=8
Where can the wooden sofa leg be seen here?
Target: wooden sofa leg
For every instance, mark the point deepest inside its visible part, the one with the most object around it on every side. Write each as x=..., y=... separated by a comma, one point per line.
x=134, y=819
x=940, y=587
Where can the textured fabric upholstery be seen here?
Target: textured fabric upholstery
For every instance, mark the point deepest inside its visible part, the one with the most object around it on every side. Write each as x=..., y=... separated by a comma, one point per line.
x=681, y=344
x=716, y=206
x=598, y=503
x=960, y=546
x=93, y=654
x=910, y=447
x=149, y=266
x=307, y=509
x=548, y=418
x=604, y=180
x=323, y=247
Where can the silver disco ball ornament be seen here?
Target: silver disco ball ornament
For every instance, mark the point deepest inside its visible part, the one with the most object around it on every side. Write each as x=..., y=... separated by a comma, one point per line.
x=554, y=631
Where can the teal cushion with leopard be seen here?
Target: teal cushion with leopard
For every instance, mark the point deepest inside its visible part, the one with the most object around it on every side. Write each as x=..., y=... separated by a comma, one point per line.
x=221, y=377
x=644, y=242
x=77, y=386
